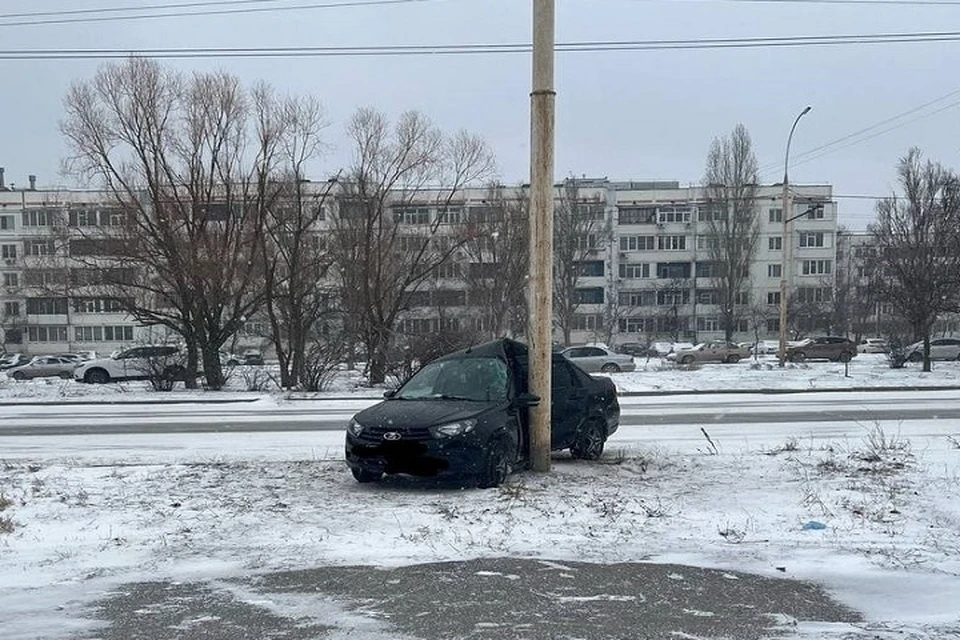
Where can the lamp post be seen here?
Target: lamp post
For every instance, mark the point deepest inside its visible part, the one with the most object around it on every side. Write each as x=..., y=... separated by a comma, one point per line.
x=785, y=243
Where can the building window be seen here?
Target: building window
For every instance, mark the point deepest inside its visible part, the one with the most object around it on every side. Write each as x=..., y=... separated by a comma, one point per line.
x=591, y=269
x=629, y=270
x=712, y=213
x=583, y=322
x=637, y=215
x=636, y=298
x=11, y=309
x=411, y=215
x=815, y=213
x=448, y=270
x=708, y=324
x=674, y=214
x=637, y=243
x=39, y=218
x=673, y=270
x=47, y=306
x=776, y=215
x=673, y=297
x=707, y=296
x=47, y=333
x=814, y=294
x=38, y=247
x=773, y=325
x=586, y=242
x=593, y=295
x=450, y=215
x=816, y=267
x=672, y=243
x=811, y=239
x=742, y=298
x=775, y=243
x=707, y=270
x=6, y=223
x=636, y=325
x=83, y=218
x=773, y=297
x=774, y=270
x=11, y=280
x=707, y=243
x=8, y=251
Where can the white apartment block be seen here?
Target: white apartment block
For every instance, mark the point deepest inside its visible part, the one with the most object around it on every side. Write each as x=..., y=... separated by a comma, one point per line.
x=647, y=278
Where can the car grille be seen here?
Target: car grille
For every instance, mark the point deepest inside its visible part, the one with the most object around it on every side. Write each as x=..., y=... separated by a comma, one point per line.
x=408, y=434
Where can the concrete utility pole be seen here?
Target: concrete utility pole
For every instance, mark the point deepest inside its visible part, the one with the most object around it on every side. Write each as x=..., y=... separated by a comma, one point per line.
x=542, y=100
x=786, y=244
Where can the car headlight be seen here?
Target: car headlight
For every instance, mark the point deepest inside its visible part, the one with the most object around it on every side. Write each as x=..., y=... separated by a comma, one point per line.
x=453, y=429
x=354, y=428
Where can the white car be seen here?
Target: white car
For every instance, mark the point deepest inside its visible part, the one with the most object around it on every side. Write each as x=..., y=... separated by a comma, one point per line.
x=138, y=363
x=940, y=349
x=873, y=345
x=593, y=359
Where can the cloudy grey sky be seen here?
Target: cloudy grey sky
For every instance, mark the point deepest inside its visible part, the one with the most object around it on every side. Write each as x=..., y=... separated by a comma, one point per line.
x=623, y=114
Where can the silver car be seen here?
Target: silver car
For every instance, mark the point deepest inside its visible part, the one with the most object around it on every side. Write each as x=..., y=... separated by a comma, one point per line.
x=716, y=351
x=940, y=349
x=44, y=367
x=594, y=359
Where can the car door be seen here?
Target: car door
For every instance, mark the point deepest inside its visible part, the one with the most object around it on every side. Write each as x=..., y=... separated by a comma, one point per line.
x=568, y=406
x=593, y=359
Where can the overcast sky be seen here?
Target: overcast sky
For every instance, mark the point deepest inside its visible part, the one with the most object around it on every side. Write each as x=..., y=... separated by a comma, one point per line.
x=625, y=115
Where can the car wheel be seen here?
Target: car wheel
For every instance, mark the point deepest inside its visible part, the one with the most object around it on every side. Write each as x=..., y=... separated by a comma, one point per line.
x=97, y=376
x=589, y=442
x=845, y=357
x=916, y=356
x=799, y=356
x=19, y=375
x=733, y=358
x=610, y=367
x=686, y=359
x=495, y=466
x=66, y=375
x=365, y=476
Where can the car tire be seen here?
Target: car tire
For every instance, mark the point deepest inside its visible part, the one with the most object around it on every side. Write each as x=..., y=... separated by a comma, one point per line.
x=916, y=356
x=589, y=442
x=845, y=357
x=733, y=359
x=686, y=360
x=19, y=375
x=610, y=367
x=66, y=375
x=495, y=466
x=365, y=476
x=96, y=376
x=799, y=356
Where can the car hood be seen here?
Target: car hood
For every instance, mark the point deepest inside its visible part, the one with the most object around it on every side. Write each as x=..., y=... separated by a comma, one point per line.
x=92, y=363
x=404, y=414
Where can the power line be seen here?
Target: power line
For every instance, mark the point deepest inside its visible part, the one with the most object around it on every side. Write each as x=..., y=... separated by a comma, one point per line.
x=827, y=147
x=146, y=7
x=481, y=49
x=209, y=12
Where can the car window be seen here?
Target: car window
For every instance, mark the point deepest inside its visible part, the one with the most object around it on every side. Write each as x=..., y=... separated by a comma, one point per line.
x=591, y=352
x=576, y=352
x=476, y=379
x=562, y=375
x=130, y=353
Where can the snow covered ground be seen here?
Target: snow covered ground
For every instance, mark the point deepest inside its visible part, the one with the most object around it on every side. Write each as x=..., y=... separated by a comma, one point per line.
x=206, y=505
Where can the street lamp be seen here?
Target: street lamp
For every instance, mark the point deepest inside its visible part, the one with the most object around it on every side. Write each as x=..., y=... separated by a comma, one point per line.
x=785, y=244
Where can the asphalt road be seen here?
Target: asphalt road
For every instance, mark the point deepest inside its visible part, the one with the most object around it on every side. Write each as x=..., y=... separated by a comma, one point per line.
x=482, y=599
x=332, y=415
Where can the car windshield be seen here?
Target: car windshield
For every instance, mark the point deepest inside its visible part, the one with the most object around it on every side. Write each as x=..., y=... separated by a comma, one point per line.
x=474, y=379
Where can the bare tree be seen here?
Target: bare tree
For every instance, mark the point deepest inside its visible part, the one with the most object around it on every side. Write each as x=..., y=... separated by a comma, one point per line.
x=299, y=296
x=191, y=172
x=496, y=264
x=730, y=186
x=918, y=246
x=398, y=196
x=580, y=234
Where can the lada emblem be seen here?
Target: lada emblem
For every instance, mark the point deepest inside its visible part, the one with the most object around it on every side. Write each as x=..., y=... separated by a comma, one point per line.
x=391, y=435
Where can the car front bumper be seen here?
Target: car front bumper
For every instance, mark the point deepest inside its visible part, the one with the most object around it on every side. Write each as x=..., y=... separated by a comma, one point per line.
x=448, y=456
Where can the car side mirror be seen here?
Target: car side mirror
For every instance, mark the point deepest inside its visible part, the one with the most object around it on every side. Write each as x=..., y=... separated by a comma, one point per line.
x=527, y=399
x=389, y=393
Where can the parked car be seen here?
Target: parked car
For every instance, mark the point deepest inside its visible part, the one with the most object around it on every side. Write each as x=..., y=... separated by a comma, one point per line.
x=873, y=345
x=78, y=356
x=593, y=359
x=940, y=349
x=767, y=347
x=10, y=360
x=467, y=413
x=633, y=349
x=253, y=358
x=43, y=367
x=822, y=348
x=716, y=351
x=139, y=363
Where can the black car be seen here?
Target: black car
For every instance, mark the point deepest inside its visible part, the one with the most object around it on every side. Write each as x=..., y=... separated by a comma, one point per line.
x=467, y=413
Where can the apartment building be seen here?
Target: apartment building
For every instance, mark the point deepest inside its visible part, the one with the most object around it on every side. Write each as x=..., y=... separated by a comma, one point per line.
x=642, y=264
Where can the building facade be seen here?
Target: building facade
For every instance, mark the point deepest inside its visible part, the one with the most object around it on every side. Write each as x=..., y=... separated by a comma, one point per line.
x=642, y=266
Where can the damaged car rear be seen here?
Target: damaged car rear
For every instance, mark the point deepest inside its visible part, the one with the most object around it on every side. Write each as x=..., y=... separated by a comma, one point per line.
x=467, y=414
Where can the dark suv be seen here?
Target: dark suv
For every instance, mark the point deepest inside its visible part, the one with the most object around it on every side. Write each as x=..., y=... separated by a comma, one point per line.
x=822, y=348
x=466, y=413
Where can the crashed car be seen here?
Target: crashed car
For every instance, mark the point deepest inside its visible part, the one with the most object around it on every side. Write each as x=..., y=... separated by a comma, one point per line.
x=467, y=413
